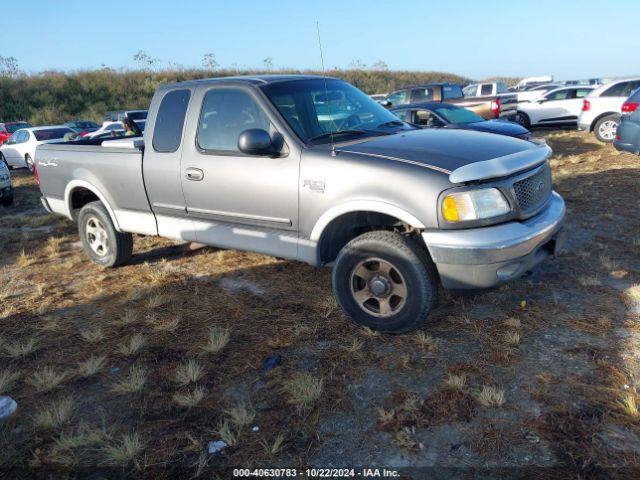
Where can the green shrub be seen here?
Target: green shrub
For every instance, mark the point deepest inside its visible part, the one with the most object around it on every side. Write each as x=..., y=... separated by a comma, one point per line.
x=55, y=97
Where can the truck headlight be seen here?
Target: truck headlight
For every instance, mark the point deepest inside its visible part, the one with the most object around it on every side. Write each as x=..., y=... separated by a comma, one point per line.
x=474, y=205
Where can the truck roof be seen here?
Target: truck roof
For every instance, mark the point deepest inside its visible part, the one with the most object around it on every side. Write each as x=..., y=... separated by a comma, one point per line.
x=247, y=79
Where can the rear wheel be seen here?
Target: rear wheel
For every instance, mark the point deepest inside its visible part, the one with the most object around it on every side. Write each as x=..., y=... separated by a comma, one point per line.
x=385, y=281
x=100, y=239
x=605, y=128
x=523, y=119
x=28, y=161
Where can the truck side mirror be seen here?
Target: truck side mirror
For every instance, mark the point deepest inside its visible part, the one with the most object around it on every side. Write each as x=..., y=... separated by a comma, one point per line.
x=255, y=141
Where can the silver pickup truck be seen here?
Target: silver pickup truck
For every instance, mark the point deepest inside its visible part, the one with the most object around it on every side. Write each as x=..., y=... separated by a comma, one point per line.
x=311, y=169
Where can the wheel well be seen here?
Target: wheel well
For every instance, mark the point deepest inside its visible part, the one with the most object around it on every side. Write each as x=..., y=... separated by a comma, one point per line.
x=599, y=117
x=345, y=228
x=79, y=198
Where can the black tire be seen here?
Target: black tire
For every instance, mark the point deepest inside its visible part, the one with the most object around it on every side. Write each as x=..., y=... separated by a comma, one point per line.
x=604, y=130
x=96, y=228
x=28, y=161
x=523, y=119
x=7, y=201
x=411, y=267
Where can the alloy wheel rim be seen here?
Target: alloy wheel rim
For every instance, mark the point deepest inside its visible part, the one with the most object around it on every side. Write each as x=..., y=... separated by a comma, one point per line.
x=608, y=129
x=378, y=287
x=97, y=236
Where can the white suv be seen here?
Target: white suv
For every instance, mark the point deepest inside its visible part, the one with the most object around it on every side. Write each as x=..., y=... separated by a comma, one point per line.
x=601, y=109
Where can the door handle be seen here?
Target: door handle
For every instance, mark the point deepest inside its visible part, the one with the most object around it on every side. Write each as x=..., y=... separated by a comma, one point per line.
x=194, y=174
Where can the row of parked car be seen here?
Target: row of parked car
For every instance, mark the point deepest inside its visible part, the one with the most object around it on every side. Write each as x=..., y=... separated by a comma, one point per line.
x=18, y=140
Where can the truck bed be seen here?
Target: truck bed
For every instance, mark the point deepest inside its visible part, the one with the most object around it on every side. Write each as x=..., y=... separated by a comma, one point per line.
x=109, y=169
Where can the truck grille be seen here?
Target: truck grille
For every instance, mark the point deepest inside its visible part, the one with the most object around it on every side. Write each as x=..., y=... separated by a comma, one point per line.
x=533, y=192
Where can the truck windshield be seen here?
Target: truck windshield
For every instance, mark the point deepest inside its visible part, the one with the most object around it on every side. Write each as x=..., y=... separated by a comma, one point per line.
x=316, y=109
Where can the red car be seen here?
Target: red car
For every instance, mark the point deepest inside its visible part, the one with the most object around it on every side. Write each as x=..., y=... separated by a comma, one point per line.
x=7, y=129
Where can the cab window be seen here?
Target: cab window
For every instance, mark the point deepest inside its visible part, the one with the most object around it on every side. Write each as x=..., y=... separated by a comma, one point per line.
x=470, y=91
x=167, y=131
x=421, y=95
x=225, y=114
x=399, y=98
x=487, y=89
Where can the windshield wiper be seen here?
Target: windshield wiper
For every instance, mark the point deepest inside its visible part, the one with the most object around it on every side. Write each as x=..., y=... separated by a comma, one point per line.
x=337, y=134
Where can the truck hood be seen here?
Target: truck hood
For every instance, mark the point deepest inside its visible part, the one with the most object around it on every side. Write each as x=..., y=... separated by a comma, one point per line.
x=440, y=149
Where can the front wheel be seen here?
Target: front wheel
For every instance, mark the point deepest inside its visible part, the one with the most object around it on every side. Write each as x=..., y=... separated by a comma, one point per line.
x=606, y=128
x=28, y=161
x=100, y=239
x=385, y=281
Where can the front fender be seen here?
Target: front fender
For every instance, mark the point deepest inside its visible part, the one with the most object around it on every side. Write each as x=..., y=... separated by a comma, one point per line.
x=362, y=206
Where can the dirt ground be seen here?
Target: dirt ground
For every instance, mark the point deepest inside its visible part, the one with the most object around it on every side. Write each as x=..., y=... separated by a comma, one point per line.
x=134, y=370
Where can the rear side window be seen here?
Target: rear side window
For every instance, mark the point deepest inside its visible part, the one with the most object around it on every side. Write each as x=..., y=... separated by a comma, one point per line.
x=622, y=89
x=635, y=96
x=583, y=92
x=487, y=89
x=451, y=91
x=167, y=133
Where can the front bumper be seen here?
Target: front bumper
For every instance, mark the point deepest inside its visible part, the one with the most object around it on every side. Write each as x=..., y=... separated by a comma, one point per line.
x=485, y=257
x=626, y=147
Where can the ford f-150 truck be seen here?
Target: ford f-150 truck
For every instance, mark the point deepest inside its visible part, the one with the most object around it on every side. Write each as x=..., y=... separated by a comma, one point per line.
x=311, y=169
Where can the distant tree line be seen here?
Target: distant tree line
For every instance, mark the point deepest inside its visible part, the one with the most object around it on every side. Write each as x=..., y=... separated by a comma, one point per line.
x=54, y=97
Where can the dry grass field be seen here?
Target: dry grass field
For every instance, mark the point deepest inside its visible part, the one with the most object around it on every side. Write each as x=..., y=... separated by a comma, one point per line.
x=135, y=370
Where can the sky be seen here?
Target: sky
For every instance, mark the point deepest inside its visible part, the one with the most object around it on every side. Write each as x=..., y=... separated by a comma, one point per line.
x=477, y=39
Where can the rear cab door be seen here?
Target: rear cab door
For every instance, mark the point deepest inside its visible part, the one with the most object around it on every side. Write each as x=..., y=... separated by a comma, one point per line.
x=162, y=171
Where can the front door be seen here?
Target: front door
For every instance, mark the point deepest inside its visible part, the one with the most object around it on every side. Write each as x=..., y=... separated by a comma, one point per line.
x=13, y=148
x=560, y=106
x=248, y=202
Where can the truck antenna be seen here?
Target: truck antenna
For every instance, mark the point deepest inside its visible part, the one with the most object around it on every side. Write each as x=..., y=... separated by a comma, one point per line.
x=326, y=92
